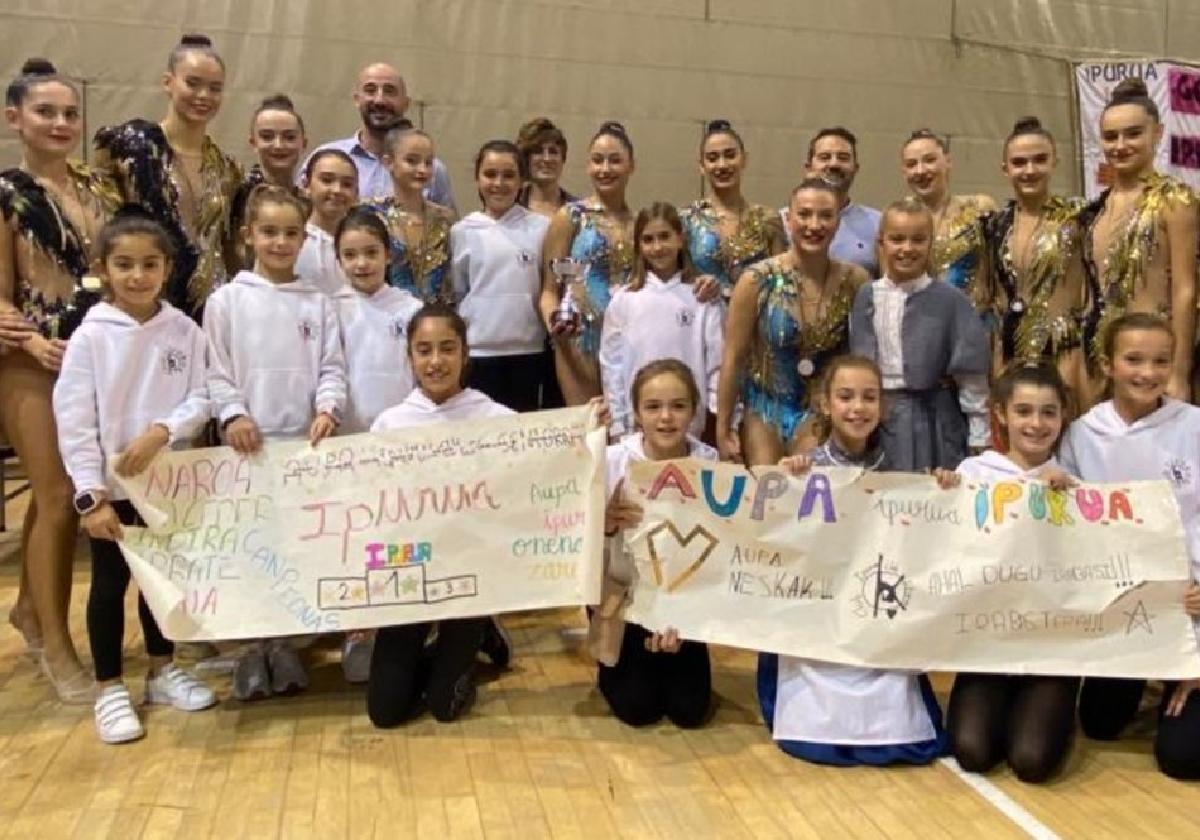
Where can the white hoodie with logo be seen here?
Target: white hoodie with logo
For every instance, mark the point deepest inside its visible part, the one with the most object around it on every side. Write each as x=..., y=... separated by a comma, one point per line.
x=1101, y=446
x=317, y=264
x=118, y=377
x=418, y=410
x=496, y=274
x=662, y=320
x=275, y=354
x=606, y=630
x=375, y=340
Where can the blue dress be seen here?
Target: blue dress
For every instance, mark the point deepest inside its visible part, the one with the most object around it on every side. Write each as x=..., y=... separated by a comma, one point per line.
x=849, y=716
x=788, y=356
x=609, y=265
x=758, y=236
x=423, y=270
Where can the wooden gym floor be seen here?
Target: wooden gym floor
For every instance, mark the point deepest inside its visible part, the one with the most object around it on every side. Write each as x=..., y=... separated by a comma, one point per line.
x=538, y=756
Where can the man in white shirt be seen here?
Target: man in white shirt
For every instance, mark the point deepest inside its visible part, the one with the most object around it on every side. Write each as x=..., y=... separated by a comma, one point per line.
x=833, y=155
x=382, y=98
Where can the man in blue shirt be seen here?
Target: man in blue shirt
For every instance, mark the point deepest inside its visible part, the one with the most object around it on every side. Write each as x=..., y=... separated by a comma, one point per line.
x=833, y=155
x=382, y=99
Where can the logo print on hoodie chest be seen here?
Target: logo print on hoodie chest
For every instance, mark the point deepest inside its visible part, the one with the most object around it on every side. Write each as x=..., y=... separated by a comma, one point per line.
x=308, y=329
x=396, y=329
x=174, y=361
x=1178, y=472
x=685, y=317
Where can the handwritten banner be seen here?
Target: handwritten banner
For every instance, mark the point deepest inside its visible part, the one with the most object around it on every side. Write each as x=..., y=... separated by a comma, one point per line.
x=446, y=521
x=890, y=571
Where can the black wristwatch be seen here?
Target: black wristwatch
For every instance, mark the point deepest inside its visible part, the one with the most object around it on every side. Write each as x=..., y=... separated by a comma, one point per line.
x=87, y=501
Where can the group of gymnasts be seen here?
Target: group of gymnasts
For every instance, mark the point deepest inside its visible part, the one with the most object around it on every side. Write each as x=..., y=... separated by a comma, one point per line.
x=164, y=298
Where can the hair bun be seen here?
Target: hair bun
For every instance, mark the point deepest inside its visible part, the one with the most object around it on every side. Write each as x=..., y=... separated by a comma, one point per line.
x=612, y=127
x=195, y=39
x=38, y=67
x=1130, y=88
x=132, y=210
x=1026, y=125
x=278, y=102
x=717, y=125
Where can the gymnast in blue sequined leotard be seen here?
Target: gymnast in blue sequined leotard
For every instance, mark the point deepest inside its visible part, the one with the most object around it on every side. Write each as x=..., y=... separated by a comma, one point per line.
x=608, y=267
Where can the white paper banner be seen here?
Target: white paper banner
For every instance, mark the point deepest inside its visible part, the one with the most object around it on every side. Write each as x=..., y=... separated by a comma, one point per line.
x=889, y=571
x=371, y=530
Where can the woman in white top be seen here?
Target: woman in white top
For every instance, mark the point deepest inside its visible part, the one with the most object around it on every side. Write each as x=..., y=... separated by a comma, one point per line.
x=404, y=670
x=657, y=316
x=496, y=281
x=331, y=183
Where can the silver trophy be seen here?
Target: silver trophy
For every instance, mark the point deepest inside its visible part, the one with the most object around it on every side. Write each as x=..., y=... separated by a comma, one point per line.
x=568, y=271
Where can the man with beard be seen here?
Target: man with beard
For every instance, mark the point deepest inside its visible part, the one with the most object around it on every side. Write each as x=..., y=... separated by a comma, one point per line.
x=833, y=156
x=382, y=99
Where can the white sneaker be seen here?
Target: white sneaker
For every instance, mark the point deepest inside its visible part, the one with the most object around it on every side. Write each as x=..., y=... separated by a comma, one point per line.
x=356, y=657
x=177, y=687
x=116, y=720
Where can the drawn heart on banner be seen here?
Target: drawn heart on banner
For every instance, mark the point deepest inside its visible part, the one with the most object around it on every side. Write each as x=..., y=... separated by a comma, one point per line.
x=677, y=556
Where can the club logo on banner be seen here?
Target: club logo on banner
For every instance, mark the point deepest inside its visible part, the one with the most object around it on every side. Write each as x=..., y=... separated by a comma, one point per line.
x=889, y=571
x=1175, y=89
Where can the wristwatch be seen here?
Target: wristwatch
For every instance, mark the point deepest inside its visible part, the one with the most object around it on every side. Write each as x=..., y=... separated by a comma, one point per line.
x=87, y=501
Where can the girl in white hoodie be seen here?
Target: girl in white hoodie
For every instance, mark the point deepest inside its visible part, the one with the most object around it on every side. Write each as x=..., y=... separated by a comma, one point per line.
x=657, y=316
x=374, y=322
x=132, y=382
x=1142, y=434
x=496, y=281
x=276, y=372
x=404, y=675
x=1027, y=720
x=331, y=184
x=645, y=676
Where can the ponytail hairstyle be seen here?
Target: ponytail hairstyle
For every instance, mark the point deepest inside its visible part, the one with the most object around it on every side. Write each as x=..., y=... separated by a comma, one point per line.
x=1133, y=91
x=717, y=127
x=271, y=194
x=502, y=147
x=34, y=72
x=617, y=131
x=816, y=182
x=320, y=154
x=943, y=142
x=665, y=212
x=279, y=102
x=403, y=128
x=132, y=220
x=823, y=424
x=1040, y=374
x=658, y=367
x=364, y=219
x=1027, y=126
x=193, y=42
x=439, y=309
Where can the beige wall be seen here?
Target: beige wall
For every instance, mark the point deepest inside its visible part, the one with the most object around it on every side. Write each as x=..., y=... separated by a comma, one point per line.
x=778, y=69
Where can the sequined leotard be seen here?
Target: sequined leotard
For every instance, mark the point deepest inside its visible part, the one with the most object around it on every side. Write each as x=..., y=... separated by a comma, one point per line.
x=788, y=355
x=423, y=269
x=54, y=288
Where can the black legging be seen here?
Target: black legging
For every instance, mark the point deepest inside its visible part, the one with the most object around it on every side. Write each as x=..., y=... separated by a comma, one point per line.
x=512, y=381
x=1107, y=706
x=1027, y=720
x=106, y=604
x=403, y=672
x=643, y=686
